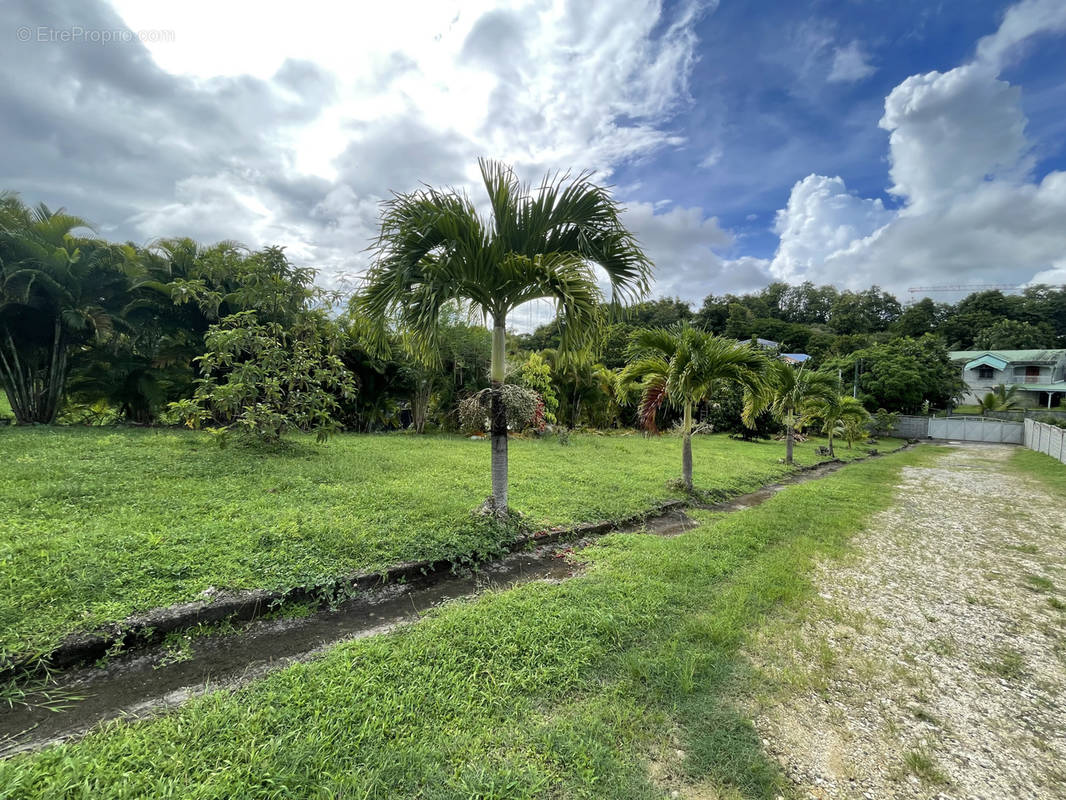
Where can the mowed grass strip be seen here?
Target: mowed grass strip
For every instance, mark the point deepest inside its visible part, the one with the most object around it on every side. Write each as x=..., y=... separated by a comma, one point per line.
x=1049, y=471
x=616, y=683
x=98, y=524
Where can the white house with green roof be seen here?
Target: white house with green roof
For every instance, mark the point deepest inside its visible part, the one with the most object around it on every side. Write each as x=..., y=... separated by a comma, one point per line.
x=1040, y=375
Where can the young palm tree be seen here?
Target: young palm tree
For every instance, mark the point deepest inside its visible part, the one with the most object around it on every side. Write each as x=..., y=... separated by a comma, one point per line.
x=792, y=391
x=435, y=248
x=999, y=399
x=836, y=412
x=682, y=366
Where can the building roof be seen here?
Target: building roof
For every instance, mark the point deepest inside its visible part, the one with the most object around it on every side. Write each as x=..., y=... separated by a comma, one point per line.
x=1041, y=387
x=799, y=358
x=987, y=360
x=1008, y=356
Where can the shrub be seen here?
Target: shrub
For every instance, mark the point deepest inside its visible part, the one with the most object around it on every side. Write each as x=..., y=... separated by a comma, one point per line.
x=265, y=379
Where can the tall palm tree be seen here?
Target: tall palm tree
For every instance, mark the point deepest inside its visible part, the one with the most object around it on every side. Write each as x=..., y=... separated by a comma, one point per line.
x=435, y=248
x=792, y=391
x=682, y=366
x=836, y=412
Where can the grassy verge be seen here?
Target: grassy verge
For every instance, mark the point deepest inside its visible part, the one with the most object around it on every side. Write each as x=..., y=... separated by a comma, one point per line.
x=1047, y=470
x=614, y=684
x=98, y=524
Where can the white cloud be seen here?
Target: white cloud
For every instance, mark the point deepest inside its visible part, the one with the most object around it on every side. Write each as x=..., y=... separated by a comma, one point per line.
x=850, y=64
x=265, y=125
x=959, y=160
x=712, y=158
x=685, y=245
x=1022, y=21
x=820, y=219
x=950, y=132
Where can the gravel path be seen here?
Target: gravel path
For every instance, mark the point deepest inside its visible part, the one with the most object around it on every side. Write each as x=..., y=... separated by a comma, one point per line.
x=933, y=662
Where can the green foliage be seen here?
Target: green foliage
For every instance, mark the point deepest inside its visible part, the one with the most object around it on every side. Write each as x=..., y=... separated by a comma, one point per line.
x=839, y=415
x=884, y=422
x=1012, y=334
x=434, y=248
x=265, y=379
x=548, y=689
x=683, y=366
x=793, y=393
x=904, y=373
x=725, y=414
x=1000, y=398
x=58, y=292
x=537, y=375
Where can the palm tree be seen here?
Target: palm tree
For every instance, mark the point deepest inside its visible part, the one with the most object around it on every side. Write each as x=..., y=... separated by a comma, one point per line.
x=836, y=412
x=682, y=366
x=57, y=291
x=792, y=390
x=435, y=249
x=1000, y=398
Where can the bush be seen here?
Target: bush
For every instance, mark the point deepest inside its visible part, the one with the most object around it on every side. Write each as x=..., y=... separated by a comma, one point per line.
x=265, y=379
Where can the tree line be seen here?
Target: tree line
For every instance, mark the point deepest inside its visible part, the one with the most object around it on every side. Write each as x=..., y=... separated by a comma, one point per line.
x=221, y=336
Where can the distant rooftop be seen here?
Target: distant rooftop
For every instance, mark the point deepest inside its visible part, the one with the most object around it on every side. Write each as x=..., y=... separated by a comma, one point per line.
x=1045, y=356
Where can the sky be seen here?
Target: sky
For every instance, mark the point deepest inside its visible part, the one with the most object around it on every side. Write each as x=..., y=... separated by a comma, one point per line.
x=901, y=143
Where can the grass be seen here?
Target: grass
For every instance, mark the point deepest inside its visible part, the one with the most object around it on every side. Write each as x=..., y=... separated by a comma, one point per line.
x=1047, y=470
x=923, y=766
x=99, y=524
x=549, y=689
x=1008, y=664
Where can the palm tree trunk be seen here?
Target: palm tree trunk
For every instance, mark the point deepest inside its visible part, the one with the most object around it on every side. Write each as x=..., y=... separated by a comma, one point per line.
x=788, y=440
x=56, y=376
x=498, y=433
x=831, y=453
x=686, y=449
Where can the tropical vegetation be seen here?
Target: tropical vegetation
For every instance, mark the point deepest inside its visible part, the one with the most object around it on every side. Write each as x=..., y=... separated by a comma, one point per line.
x=435, y=249
x=682, y=366
x=790, y=394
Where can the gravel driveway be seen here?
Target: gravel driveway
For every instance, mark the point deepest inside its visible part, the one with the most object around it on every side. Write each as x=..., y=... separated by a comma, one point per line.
x=933, y=662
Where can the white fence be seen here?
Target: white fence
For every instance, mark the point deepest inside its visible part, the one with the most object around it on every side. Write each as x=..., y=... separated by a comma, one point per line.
x=1046, y=439
x=977, y=429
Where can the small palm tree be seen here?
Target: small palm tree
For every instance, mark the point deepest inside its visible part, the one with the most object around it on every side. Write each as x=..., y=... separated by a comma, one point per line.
x=836, y=413
x=435, y=249
x=791, y=393
x=1001, y=398
x=682, y=366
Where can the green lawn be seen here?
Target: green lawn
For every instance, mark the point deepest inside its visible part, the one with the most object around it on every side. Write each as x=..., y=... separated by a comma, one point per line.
x=1050, y=471
x=613, y=684
x=98, y=524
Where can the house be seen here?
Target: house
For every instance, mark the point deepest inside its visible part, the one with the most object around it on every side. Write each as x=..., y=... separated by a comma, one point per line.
x=770, y=344
x=1040, y=375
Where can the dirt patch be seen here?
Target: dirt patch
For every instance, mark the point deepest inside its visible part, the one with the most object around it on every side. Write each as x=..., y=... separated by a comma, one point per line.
x=933, y=663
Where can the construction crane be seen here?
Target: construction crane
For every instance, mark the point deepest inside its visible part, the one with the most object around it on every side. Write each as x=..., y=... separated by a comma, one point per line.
x=970, y=288
x=967, y=287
